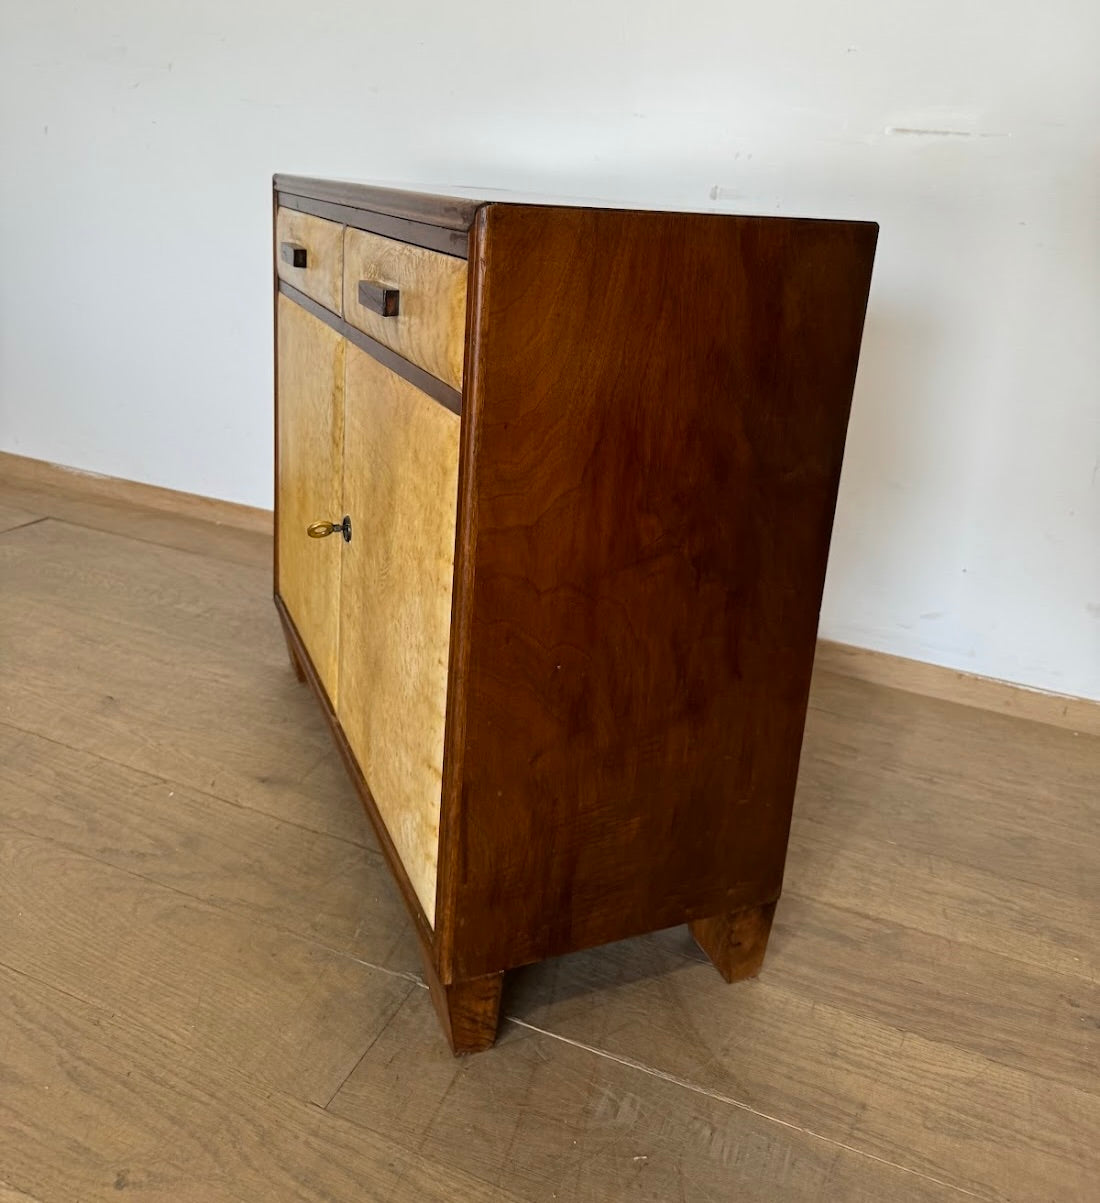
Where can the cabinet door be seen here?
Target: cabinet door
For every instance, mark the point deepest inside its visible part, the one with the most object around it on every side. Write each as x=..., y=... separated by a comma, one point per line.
x=310, y=453
x=401, y=491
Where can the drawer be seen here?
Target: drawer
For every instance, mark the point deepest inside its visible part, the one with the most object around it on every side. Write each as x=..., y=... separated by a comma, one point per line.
x=410, y=299
x=310, y=255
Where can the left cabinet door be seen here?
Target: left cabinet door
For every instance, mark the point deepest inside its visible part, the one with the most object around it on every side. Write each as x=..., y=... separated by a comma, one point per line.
x=310, y=450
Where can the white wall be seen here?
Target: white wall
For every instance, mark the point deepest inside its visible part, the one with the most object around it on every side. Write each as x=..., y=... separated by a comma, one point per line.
x=139, y=139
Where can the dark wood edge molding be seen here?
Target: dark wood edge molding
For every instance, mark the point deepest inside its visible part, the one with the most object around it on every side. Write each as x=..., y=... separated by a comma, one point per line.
x=432, y=238
x=449, y=398
x=427, y=208
x=420, y=920
x=457, y=213
x=461, y=614
x=275, y=384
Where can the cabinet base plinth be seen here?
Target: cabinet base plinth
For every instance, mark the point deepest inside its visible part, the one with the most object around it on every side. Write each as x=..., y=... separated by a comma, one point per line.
x=468, y=1010
x=295, y=662
x=737, y=940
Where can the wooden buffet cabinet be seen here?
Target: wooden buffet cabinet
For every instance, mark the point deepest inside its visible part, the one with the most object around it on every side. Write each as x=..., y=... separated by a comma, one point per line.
x=554, y=492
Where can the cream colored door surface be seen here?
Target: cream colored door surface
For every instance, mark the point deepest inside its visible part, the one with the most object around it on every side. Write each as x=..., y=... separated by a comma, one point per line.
x=401, y=490
x=310, y=450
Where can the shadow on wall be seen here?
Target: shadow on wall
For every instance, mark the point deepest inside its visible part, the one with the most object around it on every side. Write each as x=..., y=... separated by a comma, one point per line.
x=899, y=446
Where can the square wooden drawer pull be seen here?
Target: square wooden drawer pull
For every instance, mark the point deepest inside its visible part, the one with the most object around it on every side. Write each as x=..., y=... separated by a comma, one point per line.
x=379, y=298
x=293, y=253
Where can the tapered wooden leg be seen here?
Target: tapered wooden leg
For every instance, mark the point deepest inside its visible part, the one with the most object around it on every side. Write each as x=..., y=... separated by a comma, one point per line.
x=296, y=664
x=469, y=1011
x=737, y=940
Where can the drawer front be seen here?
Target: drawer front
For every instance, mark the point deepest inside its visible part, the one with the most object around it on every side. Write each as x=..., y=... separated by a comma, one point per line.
x=410, y=299
x=310, y=255
x=401, y=493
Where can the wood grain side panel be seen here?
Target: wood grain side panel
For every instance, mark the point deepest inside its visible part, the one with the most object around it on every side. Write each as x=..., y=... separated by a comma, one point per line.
x=400, y=489
x=661, y=403
x=309, y=455
x=430, y=325
x=322, y=278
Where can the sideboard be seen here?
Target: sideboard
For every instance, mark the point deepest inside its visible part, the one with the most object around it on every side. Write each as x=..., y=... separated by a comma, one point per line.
x=554, y=493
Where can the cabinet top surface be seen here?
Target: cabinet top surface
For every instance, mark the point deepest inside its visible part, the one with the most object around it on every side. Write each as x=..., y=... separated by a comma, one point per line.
x=452, y=207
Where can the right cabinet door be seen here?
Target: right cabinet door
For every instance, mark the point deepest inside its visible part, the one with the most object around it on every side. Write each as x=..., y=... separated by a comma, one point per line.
x=401, y=492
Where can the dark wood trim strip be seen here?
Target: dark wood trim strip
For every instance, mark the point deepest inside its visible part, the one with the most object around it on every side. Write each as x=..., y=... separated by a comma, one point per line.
x=435, y=388
x=450, y=834
x=432, y=238
x=275, y=384
x=427, y=208
x=420, y=920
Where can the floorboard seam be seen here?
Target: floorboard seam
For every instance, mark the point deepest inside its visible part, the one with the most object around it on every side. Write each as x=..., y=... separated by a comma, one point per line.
x=416, y=981
x=370, y=1044
x=932, y=935
x=186, y=551
x=31, y=977
x=626, y=1062
x=193, y=789
x=238, y=913
x=972, y=863
x=23, y=525
x=684, y=1084
x=13, y=1190
x=932, y=700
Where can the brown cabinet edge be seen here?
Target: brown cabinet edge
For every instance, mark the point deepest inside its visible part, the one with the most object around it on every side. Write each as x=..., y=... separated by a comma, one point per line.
x=449, y=398
x=426, y=208
x=275, y=386
x=302, y=662
x=461, y=613
x=432, y=238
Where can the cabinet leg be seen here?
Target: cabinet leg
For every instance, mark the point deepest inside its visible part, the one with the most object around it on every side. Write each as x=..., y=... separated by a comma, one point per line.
x=737, y=940
x=295, y=663
x=468, y=1010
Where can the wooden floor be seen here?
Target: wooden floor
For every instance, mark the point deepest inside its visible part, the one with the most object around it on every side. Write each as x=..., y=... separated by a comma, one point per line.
x=209, y=990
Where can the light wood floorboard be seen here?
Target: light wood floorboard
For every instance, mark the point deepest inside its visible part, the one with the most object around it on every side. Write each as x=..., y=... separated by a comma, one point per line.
x=12, y=516
x=167, y=662
x=933, y=680
x=202, y=977
x=335, y=892
x=8, y=1195
x=207, y=978
x=95, y=1107
x=552, y=1119
x=212, y=539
